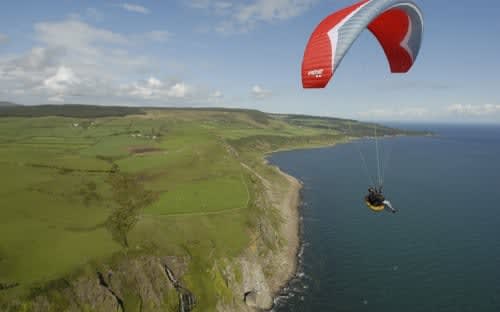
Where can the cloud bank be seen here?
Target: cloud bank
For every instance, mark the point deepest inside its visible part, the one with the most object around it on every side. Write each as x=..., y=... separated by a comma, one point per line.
x=71, y=58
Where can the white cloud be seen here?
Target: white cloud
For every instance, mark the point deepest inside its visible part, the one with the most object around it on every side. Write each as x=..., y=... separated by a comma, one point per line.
x=222, y=5
x=37, y=59
x=403, y=113
x=166, y=92
x=217, y=94
x=242, y=17
x=56, y=99
x=134, y=8
x=61, y=81
x=154, y=88
x=73, y=58
x=260, y=93
x=216, y=98
x=76, y=36
x=92, y=52
x=457, y=112
x=158, y=35
x=408, y=84
x=199, y=4
x=178, y=90
x=153, y=82
x=246, y=17
x=218, y=7
x=3, y=38
x=265, y=10
x=27, y=71
x=474, y=110
x=65, y=33
x=94, y=14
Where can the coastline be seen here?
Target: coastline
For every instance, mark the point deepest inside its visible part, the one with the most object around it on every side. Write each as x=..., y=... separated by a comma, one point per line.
x=290, y=209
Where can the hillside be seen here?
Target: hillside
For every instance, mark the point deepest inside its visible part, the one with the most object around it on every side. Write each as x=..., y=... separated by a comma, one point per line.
x=7, y=104
x=144, y=209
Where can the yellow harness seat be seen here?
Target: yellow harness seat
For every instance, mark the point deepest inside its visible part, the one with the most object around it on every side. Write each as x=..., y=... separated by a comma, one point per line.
x=373, y=207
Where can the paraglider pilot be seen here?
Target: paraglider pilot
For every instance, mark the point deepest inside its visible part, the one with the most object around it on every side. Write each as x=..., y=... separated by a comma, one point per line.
x=375, y=198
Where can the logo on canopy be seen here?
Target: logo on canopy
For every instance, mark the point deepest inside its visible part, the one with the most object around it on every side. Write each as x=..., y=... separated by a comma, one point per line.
x=317, y=73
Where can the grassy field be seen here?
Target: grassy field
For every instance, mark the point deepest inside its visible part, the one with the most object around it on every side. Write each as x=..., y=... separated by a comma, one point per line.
x=80, y=188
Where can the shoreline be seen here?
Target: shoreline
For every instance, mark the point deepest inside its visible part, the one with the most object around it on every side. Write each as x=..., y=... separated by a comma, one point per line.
x=291, y=230
x=287, y=197
x=290, y=206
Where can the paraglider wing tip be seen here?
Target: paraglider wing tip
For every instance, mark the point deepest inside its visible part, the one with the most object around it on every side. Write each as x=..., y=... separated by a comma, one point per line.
x=309, y=86
x=400, y=71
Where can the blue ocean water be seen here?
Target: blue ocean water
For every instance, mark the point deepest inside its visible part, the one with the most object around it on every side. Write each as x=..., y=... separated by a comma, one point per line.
x=440, y=252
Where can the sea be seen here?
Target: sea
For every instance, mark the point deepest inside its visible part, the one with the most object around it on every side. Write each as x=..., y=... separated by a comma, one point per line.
x=439, y=252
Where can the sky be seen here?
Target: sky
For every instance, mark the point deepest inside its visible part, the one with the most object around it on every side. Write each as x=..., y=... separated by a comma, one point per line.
x=246, y=54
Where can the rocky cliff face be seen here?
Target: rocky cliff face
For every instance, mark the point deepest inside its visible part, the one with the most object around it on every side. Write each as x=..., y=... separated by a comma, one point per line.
x=270, y=260
x=135, y=284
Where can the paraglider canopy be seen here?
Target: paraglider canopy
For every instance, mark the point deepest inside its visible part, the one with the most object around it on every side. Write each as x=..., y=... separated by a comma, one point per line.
x=397, y=24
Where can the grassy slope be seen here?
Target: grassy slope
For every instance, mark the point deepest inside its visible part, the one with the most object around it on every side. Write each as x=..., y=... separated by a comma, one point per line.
x=57, y=192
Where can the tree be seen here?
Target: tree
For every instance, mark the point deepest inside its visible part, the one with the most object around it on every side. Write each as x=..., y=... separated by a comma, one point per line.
x=129, y=197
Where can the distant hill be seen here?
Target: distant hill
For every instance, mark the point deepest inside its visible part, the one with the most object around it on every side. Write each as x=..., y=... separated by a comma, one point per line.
x=342, y=126
x=8, y=104
x=68, y=110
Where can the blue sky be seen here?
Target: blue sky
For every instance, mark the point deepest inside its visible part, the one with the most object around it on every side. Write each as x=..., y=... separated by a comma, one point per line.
x=244, y=54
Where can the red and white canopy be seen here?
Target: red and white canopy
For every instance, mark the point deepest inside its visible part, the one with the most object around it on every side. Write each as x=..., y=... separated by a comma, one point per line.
x=397, y=24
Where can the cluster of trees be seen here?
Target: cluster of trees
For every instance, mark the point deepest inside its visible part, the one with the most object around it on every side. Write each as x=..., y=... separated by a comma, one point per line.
x=129, y=198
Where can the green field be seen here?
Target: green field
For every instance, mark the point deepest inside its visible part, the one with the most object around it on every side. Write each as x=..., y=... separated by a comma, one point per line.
x=78, y=191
